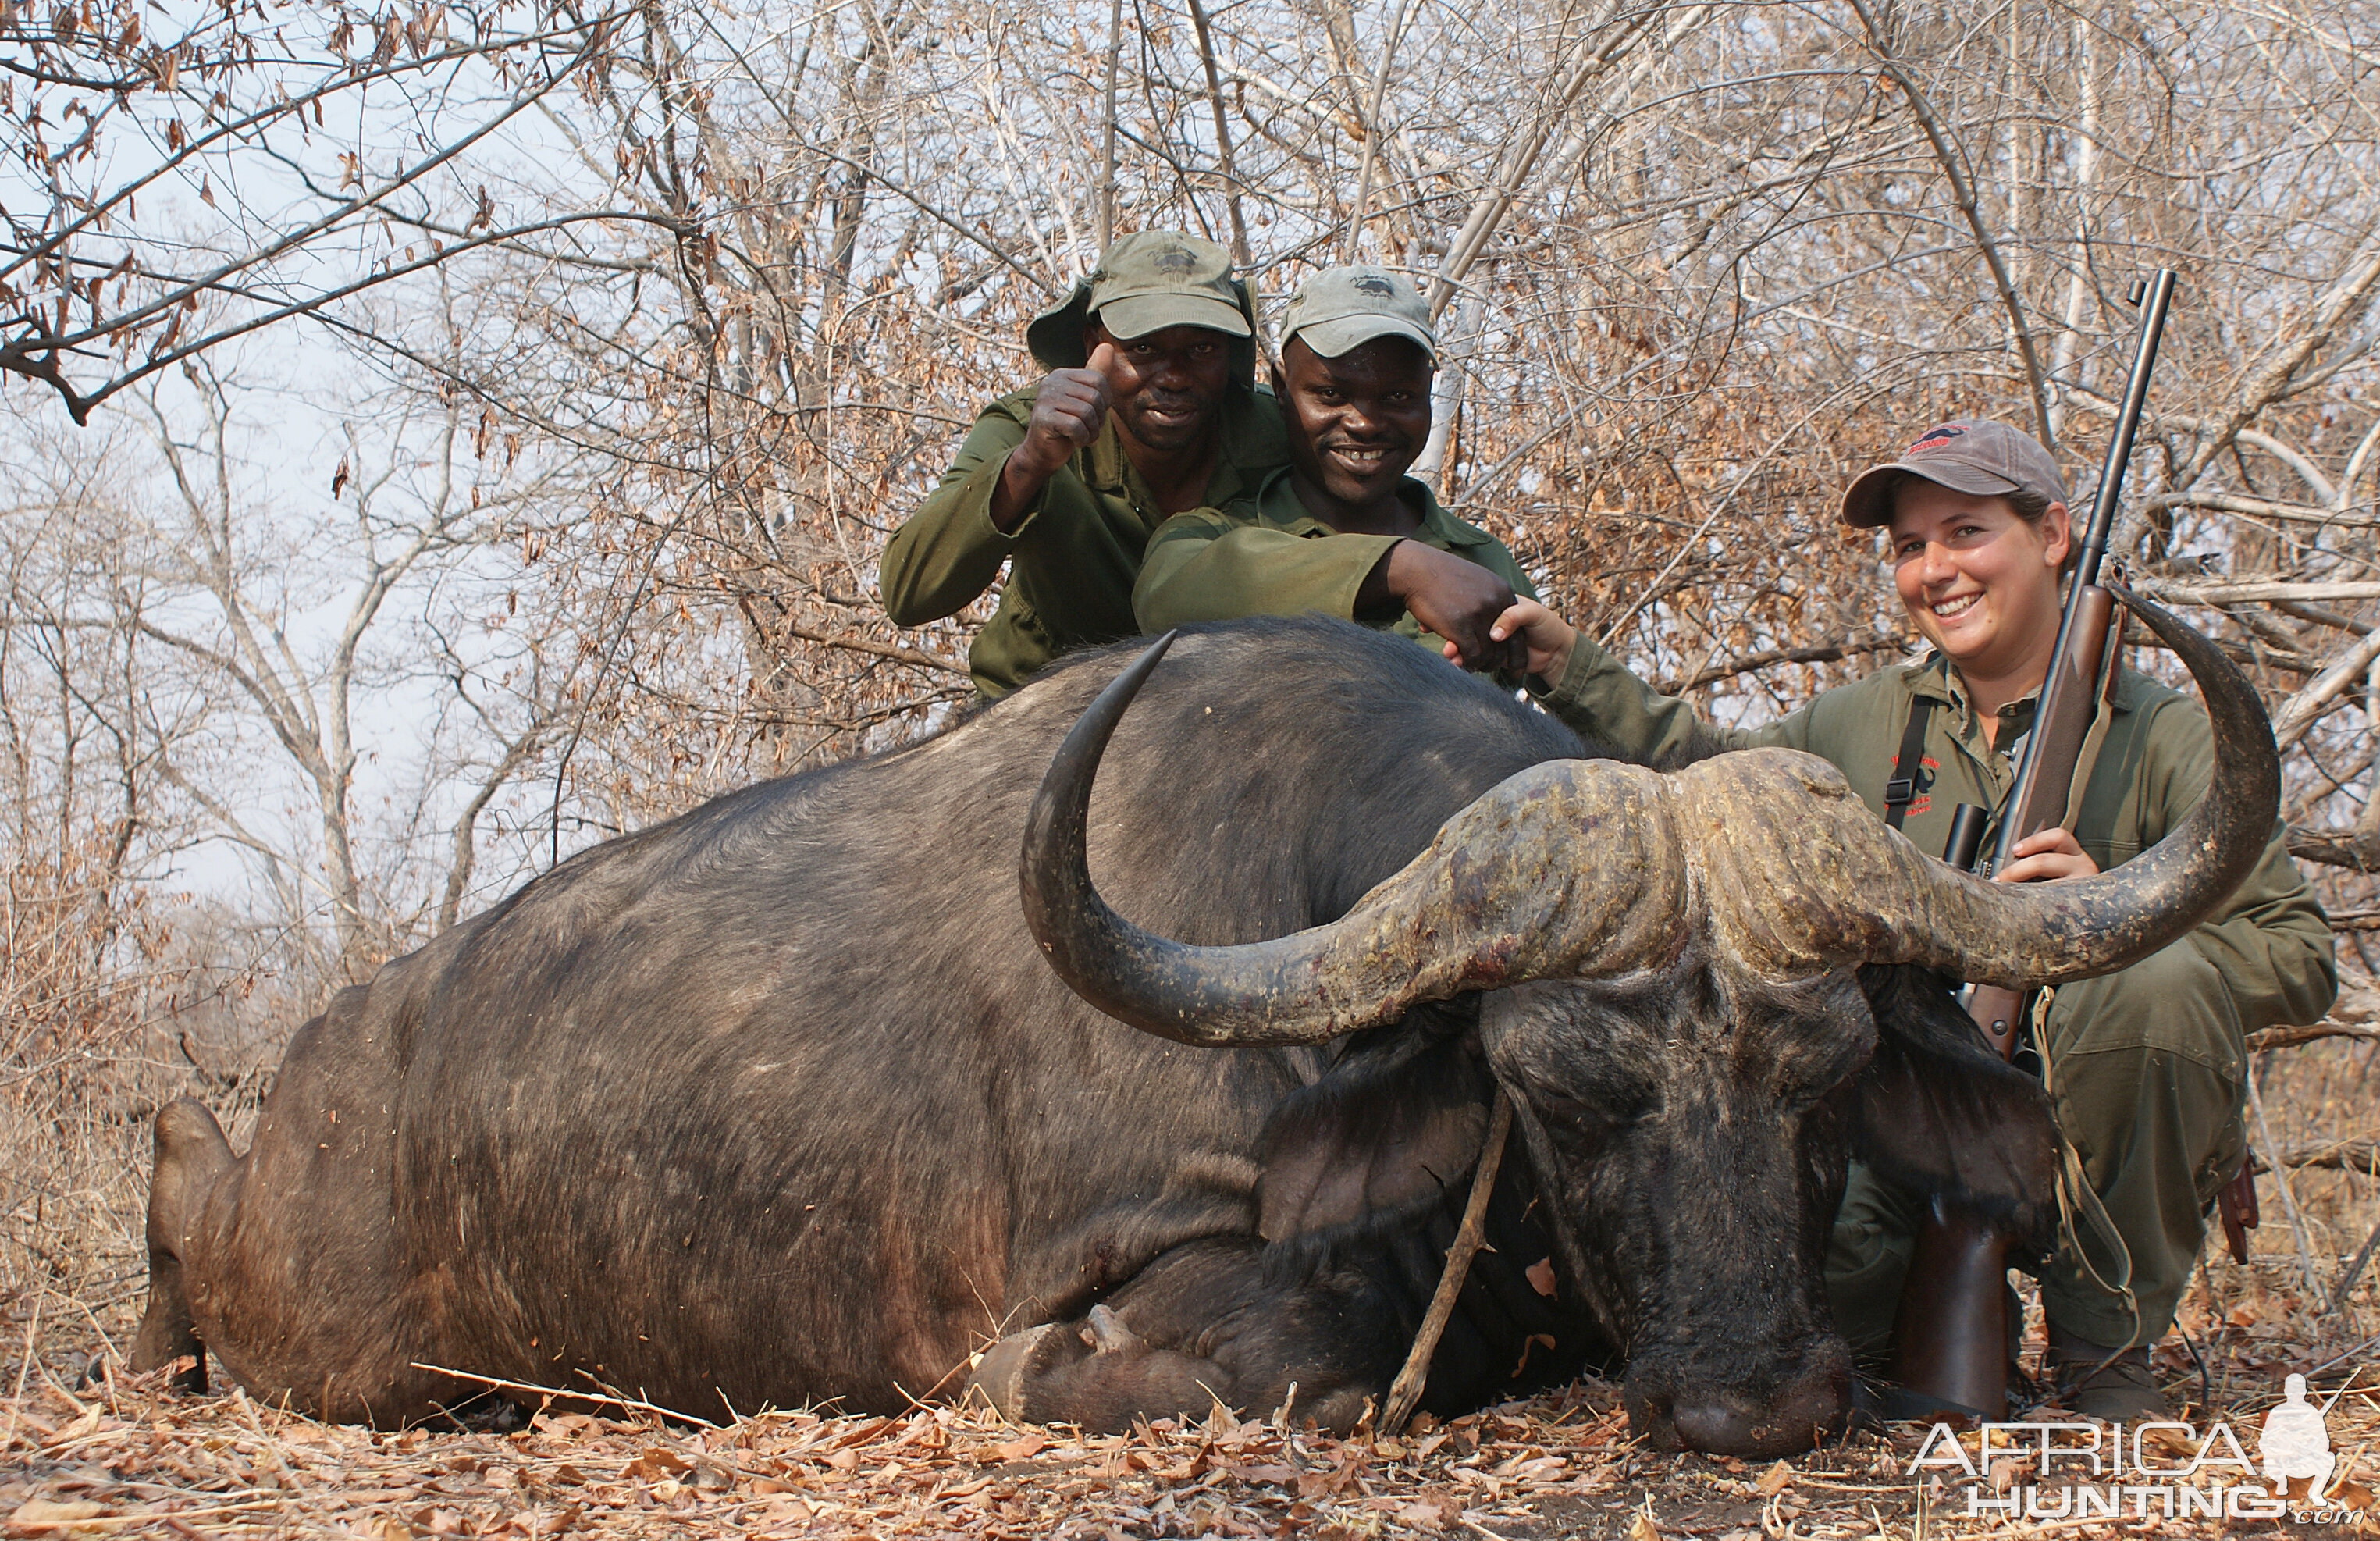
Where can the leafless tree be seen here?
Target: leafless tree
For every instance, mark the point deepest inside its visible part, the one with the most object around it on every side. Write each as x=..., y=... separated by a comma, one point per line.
x=290, y=158
x=754, y=271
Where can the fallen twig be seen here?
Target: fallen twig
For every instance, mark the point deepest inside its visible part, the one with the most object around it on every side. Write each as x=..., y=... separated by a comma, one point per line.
x=1405, y=1392
x=607, y=1398
x=2354, y=1270
x=16, y=1401
x=2291, y=1037
x=2289, y=1200
x=2337, y=1155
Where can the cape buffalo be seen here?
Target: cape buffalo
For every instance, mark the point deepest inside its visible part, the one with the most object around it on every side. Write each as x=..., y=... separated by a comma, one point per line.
x=776, y=1102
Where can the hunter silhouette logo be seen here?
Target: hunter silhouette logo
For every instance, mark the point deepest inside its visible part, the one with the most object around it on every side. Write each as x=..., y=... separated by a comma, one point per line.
x=2295, y=1443
x=1936, y=438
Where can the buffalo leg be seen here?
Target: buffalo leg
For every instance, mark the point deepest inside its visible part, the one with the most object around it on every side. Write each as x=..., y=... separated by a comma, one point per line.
x=1199, y=1325
x=191, y=1154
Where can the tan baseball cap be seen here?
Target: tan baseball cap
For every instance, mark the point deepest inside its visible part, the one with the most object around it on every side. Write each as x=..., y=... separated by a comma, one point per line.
x=1984, y=459
x=1147, y=282
x=1340, y=310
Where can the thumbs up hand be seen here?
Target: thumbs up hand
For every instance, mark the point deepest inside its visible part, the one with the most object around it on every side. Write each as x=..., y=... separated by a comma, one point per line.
x=1068, y=412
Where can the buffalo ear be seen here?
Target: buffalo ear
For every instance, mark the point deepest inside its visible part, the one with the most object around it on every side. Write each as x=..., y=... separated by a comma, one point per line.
x=1938, y=1113
x=1375, y=1141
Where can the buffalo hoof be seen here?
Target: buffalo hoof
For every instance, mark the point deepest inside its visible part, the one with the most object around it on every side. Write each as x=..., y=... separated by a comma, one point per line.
x=1012, y=1365
x=1107, y=1334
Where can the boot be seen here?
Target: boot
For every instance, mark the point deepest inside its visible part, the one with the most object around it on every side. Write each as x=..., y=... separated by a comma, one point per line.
x=2100, y=1382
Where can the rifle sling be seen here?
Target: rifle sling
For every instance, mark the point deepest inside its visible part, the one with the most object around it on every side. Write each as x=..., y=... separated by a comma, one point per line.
x=1899, y=792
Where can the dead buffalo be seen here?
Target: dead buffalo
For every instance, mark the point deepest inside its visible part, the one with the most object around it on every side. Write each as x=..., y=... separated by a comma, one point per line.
x=780, y=1102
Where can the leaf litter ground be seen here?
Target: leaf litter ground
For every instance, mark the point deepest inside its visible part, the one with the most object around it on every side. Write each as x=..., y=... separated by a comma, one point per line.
x=129, y=1457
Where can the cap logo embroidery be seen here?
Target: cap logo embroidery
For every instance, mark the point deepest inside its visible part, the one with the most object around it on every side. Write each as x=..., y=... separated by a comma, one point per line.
x=1373, y=283
x=1174, y=259
x=1934, y=439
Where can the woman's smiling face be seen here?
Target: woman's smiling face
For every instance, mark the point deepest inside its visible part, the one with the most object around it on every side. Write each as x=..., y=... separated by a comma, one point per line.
x=1981, y=581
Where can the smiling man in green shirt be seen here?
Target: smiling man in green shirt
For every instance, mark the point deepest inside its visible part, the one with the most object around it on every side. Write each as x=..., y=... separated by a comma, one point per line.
x=1342, y=530
x=1148, y=408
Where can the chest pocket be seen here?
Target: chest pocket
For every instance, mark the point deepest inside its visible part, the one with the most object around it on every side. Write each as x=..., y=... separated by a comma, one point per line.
x=2110, y=853
x=2107, y=824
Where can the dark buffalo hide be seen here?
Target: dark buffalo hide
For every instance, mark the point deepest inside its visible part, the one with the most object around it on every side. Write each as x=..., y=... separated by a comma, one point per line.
x=777, y=1103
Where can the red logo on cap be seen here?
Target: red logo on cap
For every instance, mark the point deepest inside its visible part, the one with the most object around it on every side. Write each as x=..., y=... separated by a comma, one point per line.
x=1934, y=439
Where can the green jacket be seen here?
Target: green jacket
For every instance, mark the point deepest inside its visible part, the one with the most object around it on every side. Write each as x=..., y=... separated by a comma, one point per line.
x=1267, y=556
x=2271, y=942
x=1073, y=557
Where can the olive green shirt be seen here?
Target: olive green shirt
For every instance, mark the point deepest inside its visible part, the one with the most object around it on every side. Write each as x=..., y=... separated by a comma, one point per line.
x=2271, y=940
x=1073, y=556
x=1267, y=556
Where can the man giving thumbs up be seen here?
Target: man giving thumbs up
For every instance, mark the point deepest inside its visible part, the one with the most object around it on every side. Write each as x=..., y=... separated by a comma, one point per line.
x=1148, y=408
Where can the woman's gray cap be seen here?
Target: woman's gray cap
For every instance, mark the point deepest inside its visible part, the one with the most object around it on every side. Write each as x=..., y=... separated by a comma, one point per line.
x=1984, y=459
x=1146, y=281
x=1340, y=310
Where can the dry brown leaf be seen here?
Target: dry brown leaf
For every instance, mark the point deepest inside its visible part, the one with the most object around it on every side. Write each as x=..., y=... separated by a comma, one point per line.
x=36, y=1514
x=1021, y=1450
x=1194, y=1467
x=1642, y=1528
x=865, y=1432
x=656, y=1464
x=1773, y=1480
x=1540, y=1275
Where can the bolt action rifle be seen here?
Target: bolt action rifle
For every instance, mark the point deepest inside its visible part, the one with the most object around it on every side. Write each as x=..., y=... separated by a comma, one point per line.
x=1949, y=1337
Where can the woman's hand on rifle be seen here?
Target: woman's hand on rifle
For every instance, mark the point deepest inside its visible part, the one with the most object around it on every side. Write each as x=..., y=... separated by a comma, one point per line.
x=2046, y=857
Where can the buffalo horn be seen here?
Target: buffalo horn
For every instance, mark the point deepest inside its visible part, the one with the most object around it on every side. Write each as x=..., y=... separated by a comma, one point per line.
x=1863, y=893
x=1589, y=869
x=1500, y=896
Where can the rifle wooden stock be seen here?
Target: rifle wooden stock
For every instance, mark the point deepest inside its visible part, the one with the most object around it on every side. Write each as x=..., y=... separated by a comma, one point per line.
x=1949, y=1333
x=1950, y=1330
x=2068, y=704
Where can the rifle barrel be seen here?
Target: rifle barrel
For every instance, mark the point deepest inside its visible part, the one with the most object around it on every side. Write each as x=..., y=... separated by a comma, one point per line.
x=2157, y=300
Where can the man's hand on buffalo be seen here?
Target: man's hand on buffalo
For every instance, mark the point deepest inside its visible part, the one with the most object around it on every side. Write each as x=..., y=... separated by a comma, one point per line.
x=1459, y=601
x=1068, y=412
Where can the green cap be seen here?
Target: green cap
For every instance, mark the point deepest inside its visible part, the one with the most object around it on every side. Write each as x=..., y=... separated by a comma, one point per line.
x=1340, y=310
x=1145, y=282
